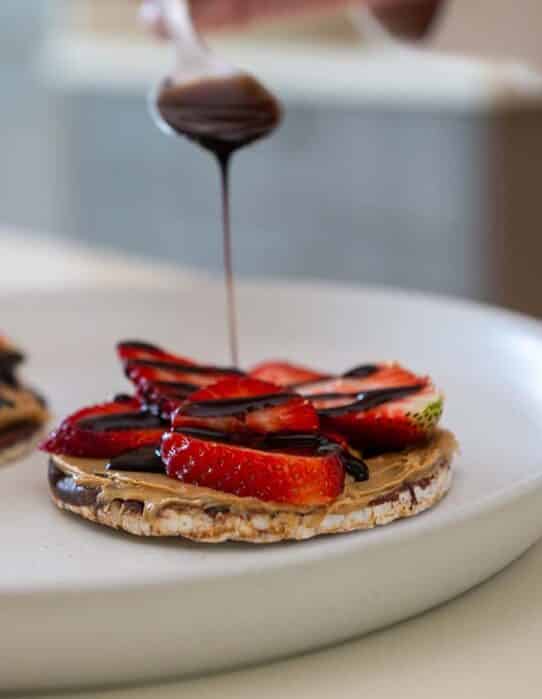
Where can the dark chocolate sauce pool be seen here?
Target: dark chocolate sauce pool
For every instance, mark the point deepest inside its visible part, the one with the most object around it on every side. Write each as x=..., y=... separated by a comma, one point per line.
x=66, y=488
x=143, y=460
x=222, y=115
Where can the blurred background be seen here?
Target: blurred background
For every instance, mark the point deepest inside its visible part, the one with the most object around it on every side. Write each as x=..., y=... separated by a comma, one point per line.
x=395, y=165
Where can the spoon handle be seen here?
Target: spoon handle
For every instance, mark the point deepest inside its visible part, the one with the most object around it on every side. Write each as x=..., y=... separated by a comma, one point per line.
x=178, y=21
x=193, y=59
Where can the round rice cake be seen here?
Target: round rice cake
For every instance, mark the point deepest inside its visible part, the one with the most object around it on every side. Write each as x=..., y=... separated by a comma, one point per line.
x=401, y=485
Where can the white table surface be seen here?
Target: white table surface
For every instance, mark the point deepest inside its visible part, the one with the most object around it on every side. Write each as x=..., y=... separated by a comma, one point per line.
x=487, y=643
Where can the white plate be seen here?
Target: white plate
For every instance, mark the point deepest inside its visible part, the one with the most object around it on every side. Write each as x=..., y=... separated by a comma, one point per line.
x=81, y=605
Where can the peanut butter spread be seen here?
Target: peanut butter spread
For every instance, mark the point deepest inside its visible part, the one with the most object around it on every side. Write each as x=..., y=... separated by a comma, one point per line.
x=20, y=405
x=388, y=474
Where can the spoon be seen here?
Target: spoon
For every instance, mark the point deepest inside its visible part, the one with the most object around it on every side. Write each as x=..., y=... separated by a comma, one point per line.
x=204, y=97
x=219, y=107
x=193, y=60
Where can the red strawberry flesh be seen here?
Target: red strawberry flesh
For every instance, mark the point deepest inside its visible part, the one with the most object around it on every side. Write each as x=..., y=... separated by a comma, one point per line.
x=245, y=472
x=105, y=431
x=241, y=404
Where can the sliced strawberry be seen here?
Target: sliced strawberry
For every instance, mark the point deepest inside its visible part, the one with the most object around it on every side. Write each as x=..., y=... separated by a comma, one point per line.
x=270, y=476
x=157, y=387
x=285, y=374
x=388, y=408
x=379, y=422
x=163, y=389
x=240, y=405
x=164, y=380
x=104, y=431
x=166, y=386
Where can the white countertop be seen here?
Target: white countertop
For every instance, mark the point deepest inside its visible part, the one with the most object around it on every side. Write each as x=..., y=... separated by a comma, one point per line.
x=487, y=643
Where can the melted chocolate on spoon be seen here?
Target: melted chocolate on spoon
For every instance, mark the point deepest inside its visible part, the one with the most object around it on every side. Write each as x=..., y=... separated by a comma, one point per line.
x=222, y=115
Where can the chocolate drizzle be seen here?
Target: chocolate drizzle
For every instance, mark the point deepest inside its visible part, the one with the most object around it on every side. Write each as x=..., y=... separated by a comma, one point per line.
x=120, y=422
x=362, y=371
x=235, y=406
x=65, y=488
x=143, y=460
x=181, y=368
x=357, y=468
x=223, y=115
x=365, y=400
x=123, y=398
x=209, y=434
x=139, y=345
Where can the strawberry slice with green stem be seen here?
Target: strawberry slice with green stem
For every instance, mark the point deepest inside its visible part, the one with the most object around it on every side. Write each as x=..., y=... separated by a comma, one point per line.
x=379, y=407
x=389, y=409
x=105, y=431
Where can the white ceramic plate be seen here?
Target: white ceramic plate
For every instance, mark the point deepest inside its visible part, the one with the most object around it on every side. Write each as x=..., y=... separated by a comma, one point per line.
x=82, y=605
